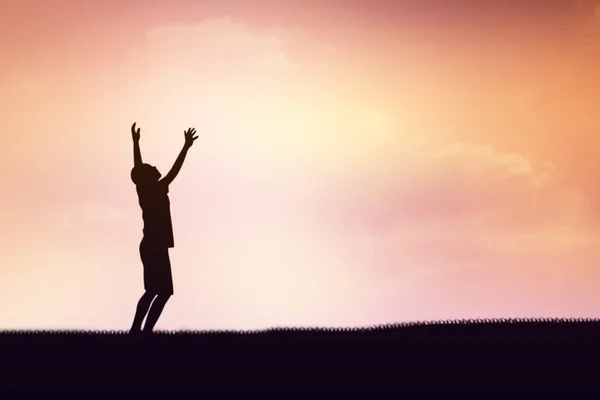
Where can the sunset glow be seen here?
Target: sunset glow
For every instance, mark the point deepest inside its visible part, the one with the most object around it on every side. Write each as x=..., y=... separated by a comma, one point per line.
x=358, y=162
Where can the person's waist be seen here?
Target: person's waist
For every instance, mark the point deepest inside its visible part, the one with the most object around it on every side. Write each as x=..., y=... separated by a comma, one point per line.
x=157, y=238
x=158, y=232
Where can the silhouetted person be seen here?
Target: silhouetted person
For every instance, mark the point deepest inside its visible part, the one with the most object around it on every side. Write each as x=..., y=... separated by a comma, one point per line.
x=158, y=231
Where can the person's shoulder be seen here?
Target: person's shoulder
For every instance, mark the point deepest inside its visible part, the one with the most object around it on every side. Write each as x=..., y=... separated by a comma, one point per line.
x=152, y=187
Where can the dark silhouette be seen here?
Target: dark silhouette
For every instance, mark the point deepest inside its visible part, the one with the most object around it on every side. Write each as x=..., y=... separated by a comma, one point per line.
x=484, y=354
x=158, y=231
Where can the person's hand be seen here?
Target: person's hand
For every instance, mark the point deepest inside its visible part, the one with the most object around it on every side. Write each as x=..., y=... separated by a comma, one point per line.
x=135, y=134
x=189, y=137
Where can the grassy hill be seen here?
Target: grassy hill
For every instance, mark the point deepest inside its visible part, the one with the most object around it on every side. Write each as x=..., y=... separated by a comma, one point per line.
x=547, y=353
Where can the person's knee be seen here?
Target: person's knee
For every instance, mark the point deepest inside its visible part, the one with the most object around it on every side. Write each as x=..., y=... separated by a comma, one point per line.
x=148, y=296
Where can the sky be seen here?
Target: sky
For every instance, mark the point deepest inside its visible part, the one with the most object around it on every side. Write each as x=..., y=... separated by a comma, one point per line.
x=358, y=162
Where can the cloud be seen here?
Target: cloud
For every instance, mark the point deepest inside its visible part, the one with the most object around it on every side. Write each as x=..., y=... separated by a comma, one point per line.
x=215, y=42
x=238, y=80
x=495, y=165
x=465, y=200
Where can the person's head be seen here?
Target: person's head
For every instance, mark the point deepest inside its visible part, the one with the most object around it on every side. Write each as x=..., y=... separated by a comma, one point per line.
x=145, y=173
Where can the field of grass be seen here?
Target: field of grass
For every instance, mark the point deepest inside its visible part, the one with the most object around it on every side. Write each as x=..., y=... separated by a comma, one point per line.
x=511, y=352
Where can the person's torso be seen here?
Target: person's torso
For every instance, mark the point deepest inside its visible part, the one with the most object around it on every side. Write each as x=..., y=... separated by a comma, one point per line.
x=156, y=213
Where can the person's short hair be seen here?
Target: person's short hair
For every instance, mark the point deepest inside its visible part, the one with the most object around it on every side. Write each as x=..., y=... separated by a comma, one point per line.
x=142, y=173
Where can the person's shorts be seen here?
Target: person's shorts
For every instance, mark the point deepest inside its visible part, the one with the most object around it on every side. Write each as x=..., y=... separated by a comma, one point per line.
x=157, y=267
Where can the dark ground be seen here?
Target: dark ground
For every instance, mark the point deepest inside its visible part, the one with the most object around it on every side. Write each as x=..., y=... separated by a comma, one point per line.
x=544, y=353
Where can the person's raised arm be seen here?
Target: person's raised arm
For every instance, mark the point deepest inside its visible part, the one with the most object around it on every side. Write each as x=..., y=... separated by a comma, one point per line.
x=137, y=155
x=189, y=141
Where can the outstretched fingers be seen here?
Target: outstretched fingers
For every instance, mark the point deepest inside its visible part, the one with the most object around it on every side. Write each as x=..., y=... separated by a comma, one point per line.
x=190, y=133
x=190, y=136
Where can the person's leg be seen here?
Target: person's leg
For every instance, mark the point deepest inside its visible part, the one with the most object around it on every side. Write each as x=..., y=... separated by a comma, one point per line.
x=157, y=307
x=142, y=309
x=162, y=282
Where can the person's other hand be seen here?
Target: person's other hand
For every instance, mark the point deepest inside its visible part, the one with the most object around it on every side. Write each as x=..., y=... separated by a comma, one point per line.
x=135, y=134
x=189, y=137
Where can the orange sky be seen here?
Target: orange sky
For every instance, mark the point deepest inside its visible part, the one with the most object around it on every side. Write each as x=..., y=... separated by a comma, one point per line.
x=359, y=162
